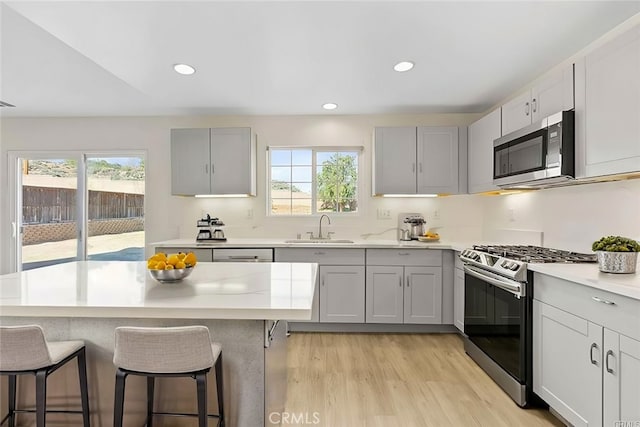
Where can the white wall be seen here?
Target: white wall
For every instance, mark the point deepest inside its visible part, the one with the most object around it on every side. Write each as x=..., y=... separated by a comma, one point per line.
x=169, y=217
x=572, y=217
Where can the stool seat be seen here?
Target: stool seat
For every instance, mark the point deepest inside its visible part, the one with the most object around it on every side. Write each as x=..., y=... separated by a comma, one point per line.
x=185, y=351
x=24, y=350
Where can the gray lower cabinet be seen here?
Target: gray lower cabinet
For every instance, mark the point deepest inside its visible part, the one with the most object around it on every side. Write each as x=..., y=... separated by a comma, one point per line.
x=423, y=295
x=385, y=294
x=567, y=369
x=342, y=293
x=404, y=286
x=586, y=352
x=621, y=386
x=458, y=299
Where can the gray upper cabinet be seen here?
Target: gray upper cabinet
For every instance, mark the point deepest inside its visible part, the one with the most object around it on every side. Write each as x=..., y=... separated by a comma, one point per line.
x=608, y=108
x=213, y=161
x=437, y=160
x=481, y=136
x=190, y=153
x=416, y=160
x=550, y=95
x=395, y=160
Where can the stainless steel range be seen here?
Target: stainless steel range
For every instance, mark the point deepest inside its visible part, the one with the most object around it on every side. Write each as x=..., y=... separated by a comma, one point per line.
x=498, y=308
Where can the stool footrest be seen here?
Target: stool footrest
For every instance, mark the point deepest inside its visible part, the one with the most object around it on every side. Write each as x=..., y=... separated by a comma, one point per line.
x=180, y=414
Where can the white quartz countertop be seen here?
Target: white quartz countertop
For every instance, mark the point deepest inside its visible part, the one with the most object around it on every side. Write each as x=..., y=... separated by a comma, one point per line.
x=281, y=243
x=589, y=275
x=258, y=291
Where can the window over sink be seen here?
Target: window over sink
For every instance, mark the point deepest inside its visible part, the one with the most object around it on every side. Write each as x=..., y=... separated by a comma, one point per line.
x=313, y=180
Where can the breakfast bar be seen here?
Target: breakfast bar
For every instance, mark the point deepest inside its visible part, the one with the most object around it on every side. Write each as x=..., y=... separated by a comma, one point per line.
x=244, y=305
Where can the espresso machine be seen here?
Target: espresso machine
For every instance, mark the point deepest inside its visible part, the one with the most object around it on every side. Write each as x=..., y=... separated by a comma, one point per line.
x=205, y=234
x=410, y=226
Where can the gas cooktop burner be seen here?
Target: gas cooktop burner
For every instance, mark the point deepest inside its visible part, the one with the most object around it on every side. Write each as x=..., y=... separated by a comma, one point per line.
x=535, y=254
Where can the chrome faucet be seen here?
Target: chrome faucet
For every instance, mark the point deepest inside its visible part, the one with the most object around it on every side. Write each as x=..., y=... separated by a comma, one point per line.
x=320, y=236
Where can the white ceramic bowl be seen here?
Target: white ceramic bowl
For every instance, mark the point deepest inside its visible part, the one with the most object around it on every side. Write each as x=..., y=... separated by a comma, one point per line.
x=167, y=276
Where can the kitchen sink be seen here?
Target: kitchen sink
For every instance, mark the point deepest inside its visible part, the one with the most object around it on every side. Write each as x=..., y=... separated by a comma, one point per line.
x=314, y=241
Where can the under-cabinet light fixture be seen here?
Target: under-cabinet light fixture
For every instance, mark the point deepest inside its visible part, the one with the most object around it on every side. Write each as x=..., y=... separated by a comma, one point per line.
x=330, y=106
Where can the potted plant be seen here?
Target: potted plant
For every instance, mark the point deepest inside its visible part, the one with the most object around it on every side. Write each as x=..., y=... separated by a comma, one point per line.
x=616, y=254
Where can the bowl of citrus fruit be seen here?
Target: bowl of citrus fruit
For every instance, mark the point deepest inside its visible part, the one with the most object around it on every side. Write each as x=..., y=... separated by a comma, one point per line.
x=171, y=268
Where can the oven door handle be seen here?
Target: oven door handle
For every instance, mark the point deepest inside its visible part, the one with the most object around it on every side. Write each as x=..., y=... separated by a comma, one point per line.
x=510, y=286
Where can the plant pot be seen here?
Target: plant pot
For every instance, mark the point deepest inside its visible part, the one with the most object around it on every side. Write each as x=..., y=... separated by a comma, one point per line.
x=617, y=262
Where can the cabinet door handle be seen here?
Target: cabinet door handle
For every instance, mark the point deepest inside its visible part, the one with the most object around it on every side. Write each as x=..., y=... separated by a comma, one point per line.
x=593, y=361
x=408, y=281
x=413, y=167
x=212, y=168
x=206, y=169
x=420, y=167
x=609, y=353
x=322, y=281
x=534, y=104
x=604, y=301
x=526, y=108
x=400, y=281
x=404, y=253
x=318, y=253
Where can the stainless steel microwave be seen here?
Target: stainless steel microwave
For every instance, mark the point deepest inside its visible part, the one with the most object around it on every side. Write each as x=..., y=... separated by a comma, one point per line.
x=539, y=155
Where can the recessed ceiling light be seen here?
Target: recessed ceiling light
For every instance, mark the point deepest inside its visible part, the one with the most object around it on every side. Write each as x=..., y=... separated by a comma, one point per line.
x=329, y=106
x=403, y=66
x=184, y=69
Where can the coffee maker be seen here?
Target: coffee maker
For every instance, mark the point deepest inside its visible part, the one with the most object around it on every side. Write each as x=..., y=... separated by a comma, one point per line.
x=410, y=226
x=204, y=230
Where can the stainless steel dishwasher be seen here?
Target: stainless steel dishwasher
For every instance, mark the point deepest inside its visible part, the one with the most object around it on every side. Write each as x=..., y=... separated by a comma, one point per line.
x=243, y=255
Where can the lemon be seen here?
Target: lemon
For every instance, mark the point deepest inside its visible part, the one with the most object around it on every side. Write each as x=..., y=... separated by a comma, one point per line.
x=151, y=264
x=173, y=259
x=168, y=267
x=190, y=259
x=180, y=264
x=160, y=265
x=181, y=255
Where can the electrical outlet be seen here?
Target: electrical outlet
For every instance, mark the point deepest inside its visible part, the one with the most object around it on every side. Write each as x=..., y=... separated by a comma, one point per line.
x=512, y=215
x=384, y=214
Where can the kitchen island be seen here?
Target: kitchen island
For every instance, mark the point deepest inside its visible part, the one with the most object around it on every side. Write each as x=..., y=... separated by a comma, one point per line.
x=239, y=303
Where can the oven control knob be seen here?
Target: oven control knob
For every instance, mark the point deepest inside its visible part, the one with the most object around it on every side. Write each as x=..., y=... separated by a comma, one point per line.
x=513, y=266
x=476, y=256
x=504, y=264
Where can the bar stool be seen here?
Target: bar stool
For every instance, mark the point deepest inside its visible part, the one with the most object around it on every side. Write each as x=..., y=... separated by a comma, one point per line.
x=185, y=351
x=24, y=350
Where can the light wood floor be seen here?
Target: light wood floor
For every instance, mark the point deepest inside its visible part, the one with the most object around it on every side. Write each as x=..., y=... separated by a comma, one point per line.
x=401, y=380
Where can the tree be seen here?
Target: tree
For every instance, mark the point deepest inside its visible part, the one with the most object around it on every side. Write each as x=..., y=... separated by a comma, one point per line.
x=337, y=184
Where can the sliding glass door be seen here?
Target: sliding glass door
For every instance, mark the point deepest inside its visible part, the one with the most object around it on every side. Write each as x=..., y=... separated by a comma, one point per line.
x=115, y=208
x=78, y=206
x=48, y=204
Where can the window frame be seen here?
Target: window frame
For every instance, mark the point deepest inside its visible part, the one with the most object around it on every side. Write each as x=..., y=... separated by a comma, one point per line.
x=359, y=150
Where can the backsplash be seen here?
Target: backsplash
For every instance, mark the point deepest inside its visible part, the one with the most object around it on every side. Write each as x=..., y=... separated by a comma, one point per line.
x=572, y=217
x=569, y=218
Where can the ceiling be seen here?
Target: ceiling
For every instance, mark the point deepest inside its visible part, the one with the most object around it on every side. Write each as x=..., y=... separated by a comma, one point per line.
x=116, y=58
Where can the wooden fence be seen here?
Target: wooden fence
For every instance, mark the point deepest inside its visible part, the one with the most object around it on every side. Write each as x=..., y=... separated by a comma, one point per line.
x=43, y=205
